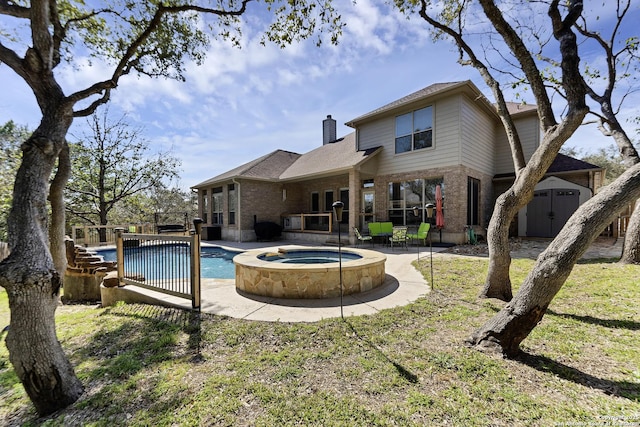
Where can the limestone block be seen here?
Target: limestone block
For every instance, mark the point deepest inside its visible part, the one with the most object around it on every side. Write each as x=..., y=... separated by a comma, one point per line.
x=111, y=280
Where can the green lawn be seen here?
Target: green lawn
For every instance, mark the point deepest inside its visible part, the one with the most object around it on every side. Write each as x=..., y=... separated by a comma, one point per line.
x=152, y=366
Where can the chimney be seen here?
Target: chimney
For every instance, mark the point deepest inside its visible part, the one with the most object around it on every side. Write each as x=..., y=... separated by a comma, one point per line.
x=328, y=130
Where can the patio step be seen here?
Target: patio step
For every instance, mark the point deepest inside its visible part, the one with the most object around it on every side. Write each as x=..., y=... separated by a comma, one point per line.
x=333, y=241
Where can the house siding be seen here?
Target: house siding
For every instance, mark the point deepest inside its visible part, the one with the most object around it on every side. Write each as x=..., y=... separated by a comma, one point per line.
x=478, y=132
x=529, y=132
x=255, y=198
x=446, y=139
x=305, y=188
x=464, y=139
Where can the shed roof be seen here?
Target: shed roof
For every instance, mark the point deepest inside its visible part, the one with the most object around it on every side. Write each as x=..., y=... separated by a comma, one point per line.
x=561, y=164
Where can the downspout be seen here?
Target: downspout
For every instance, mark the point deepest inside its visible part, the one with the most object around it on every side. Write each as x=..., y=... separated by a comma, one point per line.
x=238, y=210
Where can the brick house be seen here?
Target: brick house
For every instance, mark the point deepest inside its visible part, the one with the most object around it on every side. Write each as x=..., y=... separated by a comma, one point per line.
x=446, y=134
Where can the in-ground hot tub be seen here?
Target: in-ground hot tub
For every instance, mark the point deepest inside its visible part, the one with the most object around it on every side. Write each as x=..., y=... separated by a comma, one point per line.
x=293, y=272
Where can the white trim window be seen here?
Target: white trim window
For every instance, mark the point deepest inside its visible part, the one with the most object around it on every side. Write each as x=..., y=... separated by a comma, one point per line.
x=217, y=210
x=233, y=202
x=205, y=206
x=404, y=196
x=414, y=130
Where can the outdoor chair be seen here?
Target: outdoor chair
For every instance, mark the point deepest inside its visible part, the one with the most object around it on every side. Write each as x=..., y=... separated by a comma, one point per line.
x=386, y=228
x=362, y=238
x=374, y=229
x=421, y=234
x=399, y=237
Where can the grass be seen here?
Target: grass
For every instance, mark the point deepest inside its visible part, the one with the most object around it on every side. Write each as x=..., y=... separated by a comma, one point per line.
x=145, y=365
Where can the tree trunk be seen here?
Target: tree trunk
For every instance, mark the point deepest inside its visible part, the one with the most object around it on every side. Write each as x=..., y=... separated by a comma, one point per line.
x=631, y=248
x=56, y=199
x=505, y=331
x=31, y=279
x=498, y=282
x=554, y=134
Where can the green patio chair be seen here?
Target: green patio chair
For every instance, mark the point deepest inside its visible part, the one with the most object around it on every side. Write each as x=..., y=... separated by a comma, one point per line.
x=374, y=228
x=386, y=228
x=421, y=234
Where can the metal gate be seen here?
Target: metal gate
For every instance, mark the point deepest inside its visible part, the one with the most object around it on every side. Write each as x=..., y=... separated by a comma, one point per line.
x=549, y=211
x=167, y=264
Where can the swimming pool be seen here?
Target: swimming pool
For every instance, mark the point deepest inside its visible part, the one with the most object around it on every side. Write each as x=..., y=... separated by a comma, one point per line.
x=215, y=262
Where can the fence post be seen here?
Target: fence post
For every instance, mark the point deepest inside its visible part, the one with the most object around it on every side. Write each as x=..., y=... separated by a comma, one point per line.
x=120, y=254
x=195, y=263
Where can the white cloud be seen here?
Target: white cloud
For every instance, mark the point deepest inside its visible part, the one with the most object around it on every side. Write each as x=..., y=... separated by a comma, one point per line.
x=243, y=103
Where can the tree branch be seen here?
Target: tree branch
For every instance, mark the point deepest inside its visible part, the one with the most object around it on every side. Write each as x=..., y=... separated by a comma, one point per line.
x=512, y=133
x=11, y=59
x=132, y=54
x=529, y=67
x=42, y=50
x=9, y=8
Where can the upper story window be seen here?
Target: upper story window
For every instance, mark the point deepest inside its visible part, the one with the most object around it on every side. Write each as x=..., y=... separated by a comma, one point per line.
x=414, y=130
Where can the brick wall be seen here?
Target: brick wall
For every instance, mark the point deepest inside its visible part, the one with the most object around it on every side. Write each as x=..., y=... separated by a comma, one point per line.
x=455, y=197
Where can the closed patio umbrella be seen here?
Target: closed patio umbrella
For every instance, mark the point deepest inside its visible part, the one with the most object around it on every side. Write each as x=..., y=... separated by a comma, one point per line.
x=439, y=213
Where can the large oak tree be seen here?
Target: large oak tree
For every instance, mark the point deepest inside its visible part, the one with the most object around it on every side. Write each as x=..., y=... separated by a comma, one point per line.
x=511, y=36
x=152, y=38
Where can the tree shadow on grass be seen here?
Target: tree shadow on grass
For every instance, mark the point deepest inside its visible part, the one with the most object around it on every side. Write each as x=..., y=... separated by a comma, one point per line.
x=598, y=260
x=404, y=372
x=164, y=320
x=625, y=389
x=607, y=323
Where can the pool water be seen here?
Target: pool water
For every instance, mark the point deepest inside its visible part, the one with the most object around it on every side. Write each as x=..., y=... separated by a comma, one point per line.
x=307, y=257
x=215, y=262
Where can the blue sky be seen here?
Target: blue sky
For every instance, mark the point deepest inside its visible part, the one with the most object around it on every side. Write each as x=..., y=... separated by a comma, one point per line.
x=244, y=103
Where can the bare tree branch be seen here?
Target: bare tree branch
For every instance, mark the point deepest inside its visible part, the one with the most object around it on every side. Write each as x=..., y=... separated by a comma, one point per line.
x=512, y=133
x=9, y=8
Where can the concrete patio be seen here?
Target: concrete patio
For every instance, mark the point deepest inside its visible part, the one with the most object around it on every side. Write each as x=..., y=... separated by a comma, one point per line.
x=403, y=284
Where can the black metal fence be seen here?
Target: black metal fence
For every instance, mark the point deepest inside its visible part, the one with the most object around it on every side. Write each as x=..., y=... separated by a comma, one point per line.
x=167, y=264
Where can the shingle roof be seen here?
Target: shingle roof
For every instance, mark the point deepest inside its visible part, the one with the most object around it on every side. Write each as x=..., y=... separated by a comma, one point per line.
x=520, y=108
x=426, y=92
x=285, y=165
x=267, y=167
x=329, y=158
x=562, y=163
